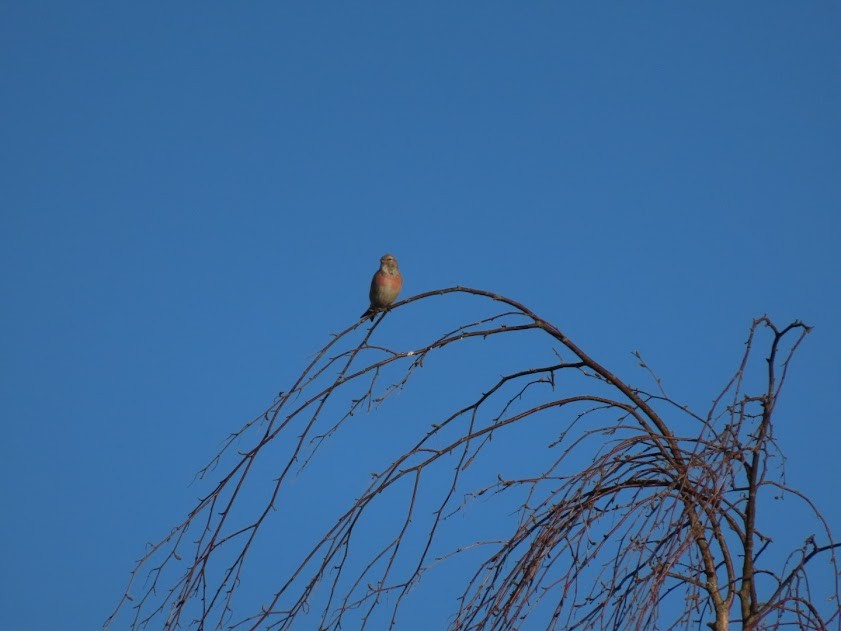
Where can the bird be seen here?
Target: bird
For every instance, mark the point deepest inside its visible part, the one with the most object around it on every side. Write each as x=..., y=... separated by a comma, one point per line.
x=385, y=286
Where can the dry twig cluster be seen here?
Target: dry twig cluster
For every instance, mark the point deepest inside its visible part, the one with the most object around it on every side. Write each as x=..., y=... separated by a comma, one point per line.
x=657, y=527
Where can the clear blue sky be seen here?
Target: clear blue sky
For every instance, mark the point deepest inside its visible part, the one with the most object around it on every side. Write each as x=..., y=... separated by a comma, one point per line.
x=194, y=196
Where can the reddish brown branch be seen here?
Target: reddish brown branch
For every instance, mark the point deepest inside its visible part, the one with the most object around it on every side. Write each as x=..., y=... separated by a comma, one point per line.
x=652, y=516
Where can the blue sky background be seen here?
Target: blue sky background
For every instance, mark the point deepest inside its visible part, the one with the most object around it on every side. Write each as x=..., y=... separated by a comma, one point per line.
x=194, y=197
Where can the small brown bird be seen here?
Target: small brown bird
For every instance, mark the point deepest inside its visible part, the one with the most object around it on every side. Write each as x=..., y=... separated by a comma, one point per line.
x=385, y=286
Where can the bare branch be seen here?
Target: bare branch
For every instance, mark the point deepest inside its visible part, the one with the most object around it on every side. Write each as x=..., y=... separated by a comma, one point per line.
x=617, y=520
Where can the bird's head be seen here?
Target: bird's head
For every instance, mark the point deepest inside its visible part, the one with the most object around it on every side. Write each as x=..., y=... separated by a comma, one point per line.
x=388, y=263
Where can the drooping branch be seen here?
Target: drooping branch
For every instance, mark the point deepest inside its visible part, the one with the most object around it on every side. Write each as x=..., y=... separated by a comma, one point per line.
x=657, y=526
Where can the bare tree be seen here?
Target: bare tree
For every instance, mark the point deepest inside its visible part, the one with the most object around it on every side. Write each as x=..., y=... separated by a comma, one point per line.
x=636, y=513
